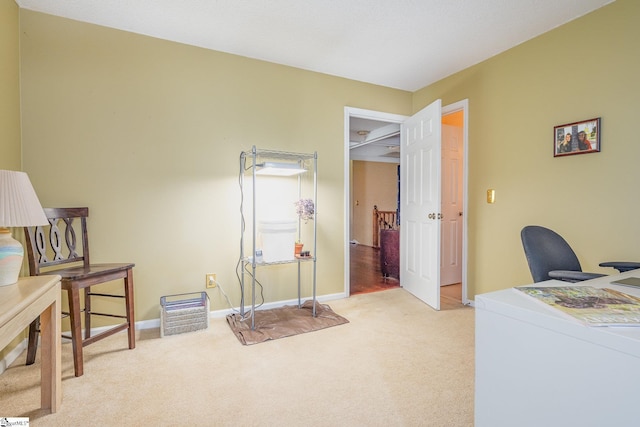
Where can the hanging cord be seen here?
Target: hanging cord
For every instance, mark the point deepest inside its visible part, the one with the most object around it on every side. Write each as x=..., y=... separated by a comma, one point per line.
x=226, y=297
x=242, y=169
x=248, y=314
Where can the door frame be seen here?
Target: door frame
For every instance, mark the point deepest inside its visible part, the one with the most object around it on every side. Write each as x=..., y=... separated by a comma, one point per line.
x=362, y=114
x=397, y=118
x=449, y=109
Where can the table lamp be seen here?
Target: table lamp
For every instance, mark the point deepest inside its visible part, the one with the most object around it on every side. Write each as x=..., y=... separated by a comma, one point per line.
x=19, y=207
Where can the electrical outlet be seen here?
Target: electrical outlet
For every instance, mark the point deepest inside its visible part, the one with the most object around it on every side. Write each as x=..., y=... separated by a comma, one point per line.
x=211, y=280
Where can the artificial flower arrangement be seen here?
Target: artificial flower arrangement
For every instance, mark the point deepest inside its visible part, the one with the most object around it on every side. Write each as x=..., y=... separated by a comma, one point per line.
x=305, y=209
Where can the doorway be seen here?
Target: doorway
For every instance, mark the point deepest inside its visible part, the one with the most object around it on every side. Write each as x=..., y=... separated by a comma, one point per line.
x=457, y=113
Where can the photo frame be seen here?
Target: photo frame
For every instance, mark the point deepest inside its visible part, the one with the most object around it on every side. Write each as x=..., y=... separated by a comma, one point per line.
x=577, y=138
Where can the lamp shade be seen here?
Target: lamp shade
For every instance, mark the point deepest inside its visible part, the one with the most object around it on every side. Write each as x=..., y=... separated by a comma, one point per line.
x=19, y=207
x=19, y=204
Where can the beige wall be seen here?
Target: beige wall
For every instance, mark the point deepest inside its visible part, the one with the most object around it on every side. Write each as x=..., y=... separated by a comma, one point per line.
x=9, y=86
x=584, y=69
x=9, y=102
x=374, y=183
x=148, y=134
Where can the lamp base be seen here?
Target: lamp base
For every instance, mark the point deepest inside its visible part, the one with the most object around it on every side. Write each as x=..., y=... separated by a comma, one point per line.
x=11, y=255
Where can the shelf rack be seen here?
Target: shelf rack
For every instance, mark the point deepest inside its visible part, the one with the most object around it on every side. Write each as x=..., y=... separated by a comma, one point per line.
x=250, y=162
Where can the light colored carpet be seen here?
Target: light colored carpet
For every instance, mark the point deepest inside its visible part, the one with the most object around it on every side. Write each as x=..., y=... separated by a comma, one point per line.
x=396, y=363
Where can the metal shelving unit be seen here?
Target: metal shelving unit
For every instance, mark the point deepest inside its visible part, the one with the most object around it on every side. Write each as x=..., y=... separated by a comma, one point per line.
x=251, y=162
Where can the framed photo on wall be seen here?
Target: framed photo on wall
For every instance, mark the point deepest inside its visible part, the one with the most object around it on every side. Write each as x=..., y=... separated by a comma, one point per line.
x=577, y=138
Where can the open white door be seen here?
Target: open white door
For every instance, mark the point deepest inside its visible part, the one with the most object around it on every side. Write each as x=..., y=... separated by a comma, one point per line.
x=420, y=204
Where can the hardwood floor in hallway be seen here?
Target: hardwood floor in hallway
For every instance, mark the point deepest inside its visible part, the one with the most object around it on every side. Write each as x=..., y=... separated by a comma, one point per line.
x=366, y=276
x=365, y=272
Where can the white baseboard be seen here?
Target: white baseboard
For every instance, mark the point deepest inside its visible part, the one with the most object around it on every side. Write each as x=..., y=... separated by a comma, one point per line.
x=13, y=355
x=276, y=304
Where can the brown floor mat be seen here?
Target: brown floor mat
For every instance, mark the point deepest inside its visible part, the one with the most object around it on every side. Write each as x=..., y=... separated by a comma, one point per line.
x=283, y=322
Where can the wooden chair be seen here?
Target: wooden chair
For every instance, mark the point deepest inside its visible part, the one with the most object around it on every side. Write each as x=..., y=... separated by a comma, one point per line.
x=77, y=274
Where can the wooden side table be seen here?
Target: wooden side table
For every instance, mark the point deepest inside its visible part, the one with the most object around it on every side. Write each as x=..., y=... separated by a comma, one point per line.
x=20, y=304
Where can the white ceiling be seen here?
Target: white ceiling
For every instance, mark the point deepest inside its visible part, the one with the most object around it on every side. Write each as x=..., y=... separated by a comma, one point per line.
x=374, y=140
x=403, y=44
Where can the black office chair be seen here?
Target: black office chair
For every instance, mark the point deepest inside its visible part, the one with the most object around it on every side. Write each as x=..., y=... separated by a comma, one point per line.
x=550, y=257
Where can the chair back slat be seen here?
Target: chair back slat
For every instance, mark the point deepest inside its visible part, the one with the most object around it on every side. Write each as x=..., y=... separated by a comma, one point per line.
x=46, y=246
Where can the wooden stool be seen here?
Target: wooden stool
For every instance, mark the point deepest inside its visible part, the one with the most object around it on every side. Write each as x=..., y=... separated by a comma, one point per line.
x=54, y=251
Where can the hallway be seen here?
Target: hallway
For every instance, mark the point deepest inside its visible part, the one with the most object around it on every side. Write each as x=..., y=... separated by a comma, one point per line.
x=366, y=276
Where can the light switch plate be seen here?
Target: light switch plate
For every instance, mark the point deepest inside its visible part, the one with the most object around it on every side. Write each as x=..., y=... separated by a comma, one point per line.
x=491, y=195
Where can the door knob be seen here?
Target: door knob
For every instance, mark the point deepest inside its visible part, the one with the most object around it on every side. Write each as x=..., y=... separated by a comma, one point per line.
x=432, y=216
